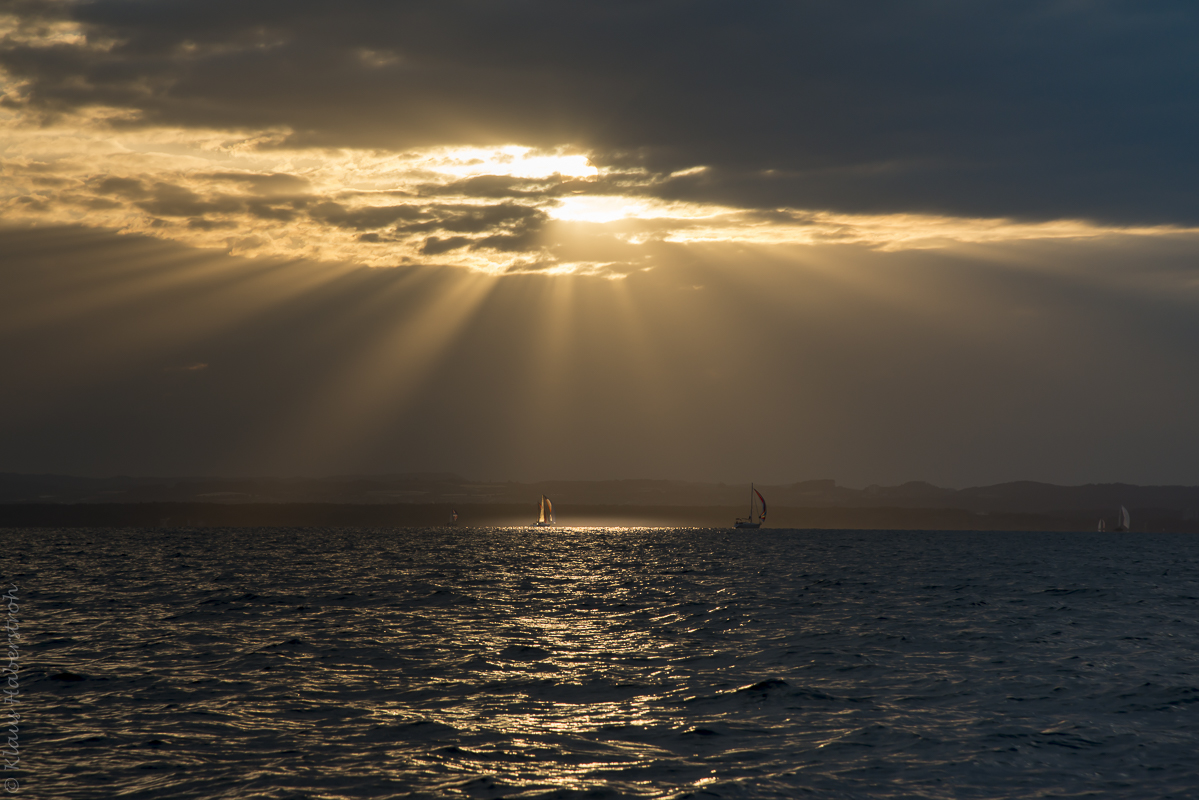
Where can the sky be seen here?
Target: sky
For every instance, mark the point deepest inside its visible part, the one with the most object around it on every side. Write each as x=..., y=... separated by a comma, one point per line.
x=773, y=241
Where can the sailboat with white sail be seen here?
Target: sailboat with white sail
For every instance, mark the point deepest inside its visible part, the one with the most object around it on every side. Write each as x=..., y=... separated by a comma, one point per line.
x=1125, y=523
x=546, y=517
x=749, y=521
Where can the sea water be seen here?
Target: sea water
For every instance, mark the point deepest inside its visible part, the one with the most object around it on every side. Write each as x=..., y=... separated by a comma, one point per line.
x=596, y=663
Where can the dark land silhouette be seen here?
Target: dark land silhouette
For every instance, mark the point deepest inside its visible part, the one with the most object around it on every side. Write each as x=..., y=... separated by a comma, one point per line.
x=428, y=499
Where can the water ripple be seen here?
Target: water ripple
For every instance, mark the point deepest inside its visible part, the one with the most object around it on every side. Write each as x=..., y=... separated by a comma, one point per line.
x=469, y=663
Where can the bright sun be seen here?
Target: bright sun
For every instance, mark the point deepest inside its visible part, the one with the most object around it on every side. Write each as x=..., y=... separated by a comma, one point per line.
x=248, y=195
x=512, y=160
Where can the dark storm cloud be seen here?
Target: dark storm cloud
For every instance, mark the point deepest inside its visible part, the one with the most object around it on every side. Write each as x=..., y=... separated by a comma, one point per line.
x=202, y=224
x=131, y=188
x=281, y=212
x=507, y=227
x=434, y=246
x=476, y=219
x=168, y=200
x=340, y=216
x=1026, y=109
x=171, y=200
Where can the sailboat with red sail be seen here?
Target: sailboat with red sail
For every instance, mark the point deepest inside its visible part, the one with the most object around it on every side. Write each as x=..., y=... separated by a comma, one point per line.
x=750, y=522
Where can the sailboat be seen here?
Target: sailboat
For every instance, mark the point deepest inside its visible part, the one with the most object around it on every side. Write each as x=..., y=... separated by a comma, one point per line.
x=749, y=522
x=453, y=516
x=546, y=517
x=1125, y=524
x=1102, y=525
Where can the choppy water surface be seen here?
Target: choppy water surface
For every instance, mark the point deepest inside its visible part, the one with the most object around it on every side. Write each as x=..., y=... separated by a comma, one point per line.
x=607, y=663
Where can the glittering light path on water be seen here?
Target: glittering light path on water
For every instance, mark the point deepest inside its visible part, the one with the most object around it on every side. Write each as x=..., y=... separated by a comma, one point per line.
x=607, y=663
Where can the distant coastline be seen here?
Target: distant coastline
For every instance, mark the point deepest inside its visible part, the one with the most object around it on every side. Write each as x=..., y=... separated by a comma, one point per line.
x=429, y=498
x=347, y=515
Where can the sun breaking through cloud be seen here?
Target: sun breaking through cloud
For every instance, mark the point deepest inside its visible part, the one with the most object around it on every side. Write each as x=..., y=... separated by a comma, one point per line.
x=499, y=210
x=897, y=240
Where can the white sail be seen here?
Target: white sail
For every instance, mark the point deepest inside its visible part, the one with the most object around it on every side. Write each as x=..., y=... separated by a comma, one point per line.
x=1125, y=521
x=546, y=516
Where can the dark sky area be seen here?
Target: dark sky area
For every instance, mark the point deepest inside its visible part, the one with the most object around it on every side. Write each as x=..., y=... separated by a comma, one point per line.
x=871, y=241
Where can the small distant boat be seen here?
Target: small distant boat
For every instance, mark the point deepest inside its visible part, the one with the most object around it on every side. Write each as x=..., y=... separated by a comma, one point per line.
x=1125, y=524
x=546, y=517
x=453, y=516
x=1102, y=525
x=749, y=522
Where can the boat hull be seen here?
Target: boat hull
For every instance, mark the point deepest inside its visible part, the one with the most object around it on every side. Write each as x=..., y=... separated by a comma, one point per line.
x=542, y=524
x=748, y=525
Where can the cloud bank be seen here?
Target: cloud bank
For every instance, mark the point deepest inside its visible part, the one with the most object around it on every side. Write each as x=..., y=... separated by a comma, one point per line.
x=465, y=132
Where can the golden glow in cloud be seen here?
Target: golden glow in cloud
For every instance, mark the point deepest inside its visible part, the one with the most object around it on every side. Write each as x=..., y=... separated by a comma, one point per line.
x=493, y=210
x=512, y=161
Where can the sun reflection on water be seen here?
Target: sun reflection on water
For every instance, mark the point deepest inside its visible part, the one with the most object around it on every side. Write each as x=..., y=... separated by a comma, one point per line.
x=656, y=664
